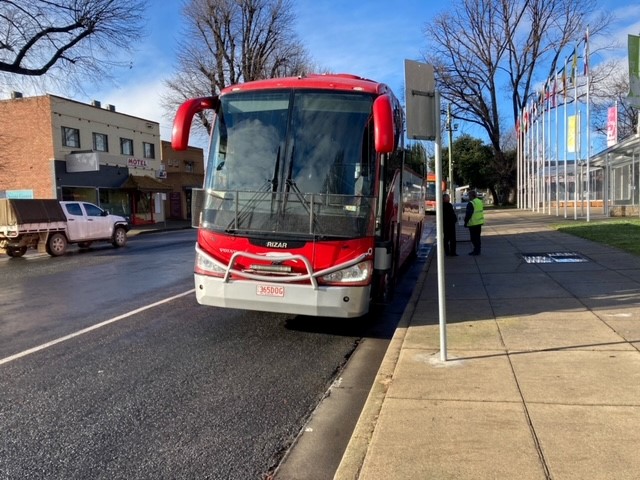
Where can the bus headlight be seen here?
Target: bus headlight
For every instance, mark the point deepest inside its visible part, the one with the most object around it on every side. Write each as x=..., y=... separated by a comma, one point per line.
x=359, y=273
x=205, y=266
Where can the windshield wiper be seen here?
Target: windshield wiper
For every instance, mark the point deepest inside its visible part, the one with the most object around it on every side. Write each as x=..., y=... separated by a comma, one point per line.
x=260, y=195
x=290, y=186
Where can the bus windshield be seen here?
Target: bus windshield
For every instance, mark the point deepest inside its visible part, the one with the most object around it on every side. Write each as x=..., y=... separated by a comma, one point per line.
x=278, y=155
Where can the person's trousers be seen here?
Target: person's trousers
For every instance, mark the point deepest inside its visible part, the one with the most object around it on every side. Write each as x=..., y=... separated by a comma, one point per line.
x=474, y=236
x=449, y=238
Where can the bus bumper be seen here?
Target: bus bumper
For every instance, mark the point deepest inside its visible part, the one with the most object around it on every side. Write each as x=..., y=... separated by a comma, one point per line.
x=333, y=301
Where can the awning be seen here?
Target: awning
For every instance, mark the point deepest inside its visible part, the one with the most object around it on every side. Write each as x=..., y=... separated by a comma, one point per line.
x=145, y=184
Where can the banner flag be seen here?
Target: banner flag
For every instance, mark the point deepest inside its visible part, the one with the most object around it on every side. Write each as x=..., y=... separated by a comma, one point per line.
x=571, y=133
x=612, y=125
x=586, y=53
x=634, y=70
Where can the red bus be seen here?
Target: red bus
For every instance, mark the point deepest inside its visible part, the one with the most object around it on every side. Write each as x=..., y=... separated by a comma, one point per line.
x=302, y=208
x=430, y=202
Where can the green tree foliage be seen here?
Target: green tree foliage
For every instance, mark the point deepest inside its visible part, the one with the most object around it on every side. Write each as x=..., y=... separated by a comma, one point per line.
x=472, y=162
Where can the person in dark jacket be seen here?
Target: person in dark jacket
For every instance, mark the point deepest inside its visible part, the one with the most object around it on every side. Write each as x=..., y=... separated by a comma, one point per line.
x=473, y=220
x=449, y=220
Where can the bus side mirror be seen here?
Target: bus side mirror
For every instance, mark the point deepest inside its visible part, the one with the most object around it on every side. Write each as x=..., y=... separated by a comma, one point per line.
x=184, y=117
x=383, y=124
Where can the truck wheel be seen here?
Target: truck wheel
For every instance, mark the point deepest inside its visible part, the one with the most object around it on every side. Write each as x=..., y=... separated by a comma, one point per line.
x=57, y=245
x=119, y=237
x=16, y=252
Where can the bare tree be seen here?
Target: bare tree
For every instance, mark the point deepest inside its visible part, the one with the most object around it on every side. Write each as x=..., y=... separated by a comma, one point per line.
x=492, y=52
x=67, y=40
x=612, y=88
x=233, y=41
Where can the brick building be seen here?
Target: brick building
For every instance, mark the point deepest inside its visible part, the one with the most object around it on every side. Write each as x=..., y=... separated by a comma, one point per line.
x=53, y=147
x=184, y=172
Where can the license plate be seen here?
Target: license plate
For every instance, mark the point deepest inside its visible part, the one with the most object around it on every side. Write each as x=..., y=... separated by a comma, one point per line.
x=270, y=291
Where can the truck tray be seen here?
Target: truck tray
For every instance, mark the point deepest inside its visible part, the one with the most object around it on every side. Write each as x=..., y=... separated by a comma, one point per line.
x=15, y=212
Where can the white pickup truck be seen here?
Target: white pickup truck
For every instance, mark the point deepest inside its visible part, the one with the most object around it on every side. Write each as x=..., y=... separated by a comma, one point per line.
x=50, y=225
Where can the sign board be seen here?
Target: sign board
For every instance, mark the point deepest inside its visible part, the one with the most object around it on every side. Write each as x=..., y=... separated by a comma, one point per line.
x=82, y=162
x=17, y=194
x=420, y=86
x=137, y=162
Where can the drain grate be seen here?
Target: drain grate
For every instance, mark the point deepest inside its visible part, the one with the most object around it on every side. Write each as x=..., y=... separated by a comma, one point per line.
x=554, y=257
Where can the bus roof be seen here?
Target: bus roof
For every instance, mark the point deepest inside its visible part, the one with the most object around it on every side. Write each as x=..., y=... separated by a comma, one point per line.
x=341, y=81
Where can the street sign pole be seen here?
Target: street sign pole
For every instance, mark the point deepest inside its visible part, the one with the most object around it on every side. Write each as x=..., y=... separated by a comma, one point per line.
x=423, y=123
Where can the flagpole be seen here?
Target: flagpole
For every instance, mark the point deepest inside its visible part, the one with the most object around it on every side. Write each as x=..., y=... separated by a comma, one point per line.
x=555, y=104
x=543, y=156
x=576, y=155
x=549, y=151
x=529, y=157
x=588, y=74
x=564, y=133
x=531, y=160
x=537, y=196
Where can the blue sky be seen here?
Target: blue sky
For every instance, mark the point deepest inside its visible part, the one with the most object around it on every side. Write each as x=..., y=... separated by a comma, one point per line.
x=364, y=38
x=368, y=38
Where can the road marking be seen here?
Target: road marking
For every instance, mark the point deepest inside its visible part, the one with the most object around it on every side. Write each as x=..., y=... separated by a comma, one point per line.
x=92, y=328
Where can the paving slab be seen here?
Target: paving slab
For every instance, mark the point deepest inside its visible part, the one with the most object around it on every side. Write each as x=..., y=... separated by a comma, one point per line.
x=596, y=442
x=451, y=440
x=470, y=335
x=481, y=376
x=579, y=377
x=554, y=330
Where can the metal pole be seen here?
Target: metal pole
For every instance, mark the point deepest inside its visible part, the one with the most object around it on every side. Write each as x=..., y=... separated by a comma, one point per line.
x=442, y=311
x=450, y=129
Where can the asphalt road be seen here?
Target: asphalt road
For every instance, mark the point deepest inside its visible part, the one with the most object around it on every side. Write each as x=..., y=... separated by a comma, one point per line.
x=110, y=369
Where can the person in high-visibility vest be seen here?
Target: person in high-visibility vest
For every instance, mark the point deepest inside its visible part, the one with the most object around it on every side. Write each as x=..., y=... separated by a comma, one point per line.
x=473, y=220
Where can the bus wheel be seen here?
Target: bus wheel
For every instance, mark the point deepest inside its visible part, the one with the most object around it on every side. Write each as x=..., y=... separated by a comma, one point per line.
x=384, y=287
x=416, y=242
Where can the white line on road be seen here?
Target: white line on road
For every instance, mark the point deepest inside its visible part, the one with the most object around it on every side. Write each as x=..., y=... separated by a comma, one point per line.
x=91, y=328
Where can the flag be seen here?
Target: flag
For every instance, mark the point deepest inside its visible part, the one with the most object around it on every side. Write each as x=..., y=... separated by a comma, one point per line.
x=634, y=70
x=574, y=67
x=586, y=53
x=571, y=133
x=612, y=125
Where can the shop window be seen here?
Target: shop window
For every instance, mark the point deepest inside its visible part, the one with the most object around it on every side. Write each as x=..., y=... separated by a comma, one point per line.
x=115, y=201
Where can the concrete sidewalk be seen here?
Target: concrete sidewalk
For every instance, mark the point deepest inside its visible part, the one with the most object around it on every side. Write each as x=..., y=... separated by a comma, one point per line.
x=542, y=379
x=159, y=227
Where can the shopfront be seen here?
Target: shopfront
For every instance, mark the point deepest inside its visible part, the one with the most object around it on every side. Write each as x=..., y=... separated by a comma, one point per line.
x=138, y=198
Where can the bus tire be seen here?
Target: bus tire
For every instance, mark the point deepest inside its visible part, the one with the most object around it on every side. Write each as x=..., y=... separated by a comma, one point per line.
x=384, y=286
